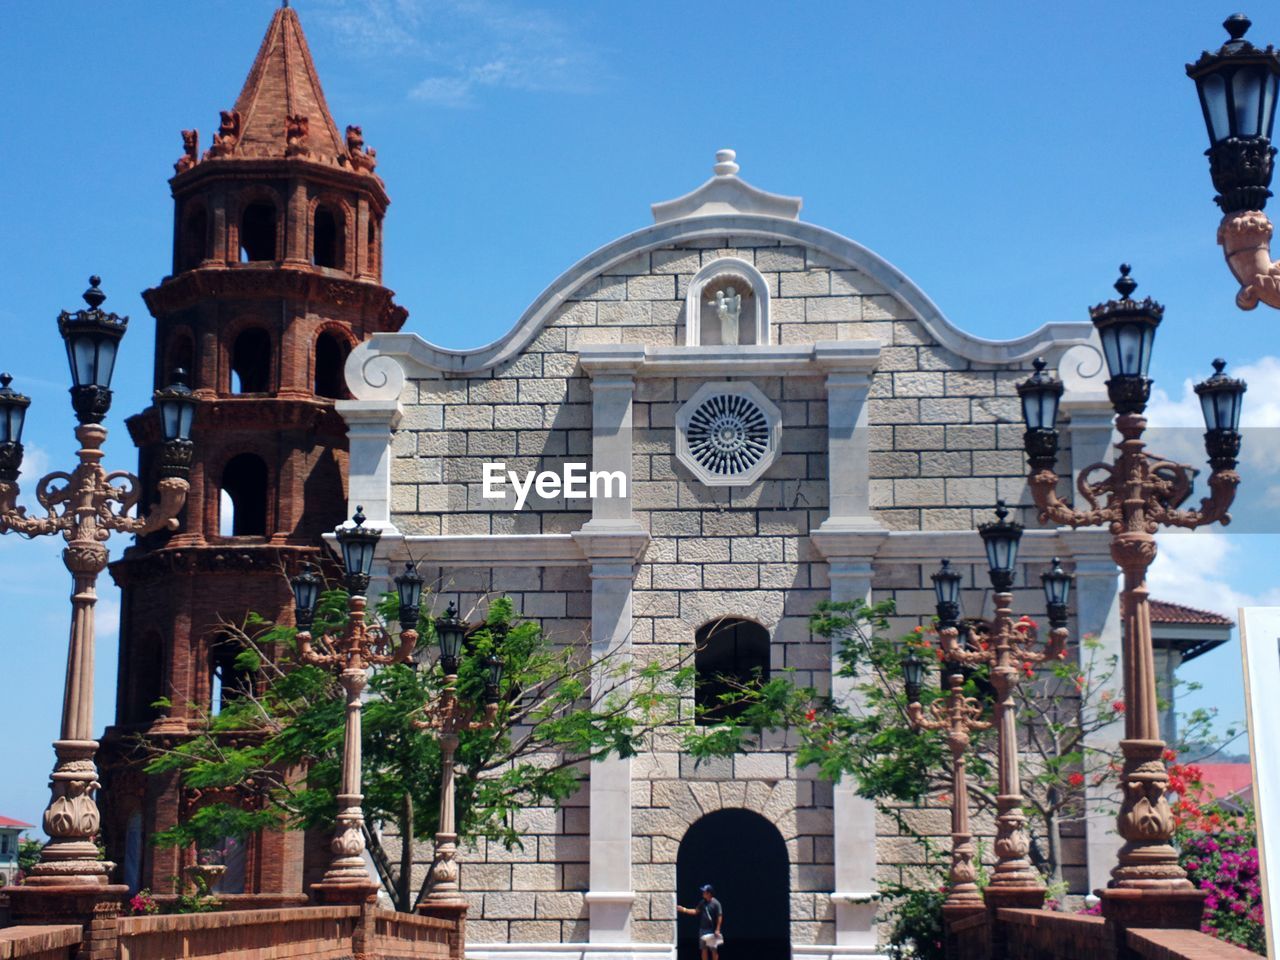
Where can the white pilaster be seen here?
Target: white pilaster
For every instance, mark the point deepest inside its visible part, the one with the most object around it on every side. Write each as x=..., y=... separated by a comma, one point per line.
x=370, y=424
x=849, y=368
x=849, y=557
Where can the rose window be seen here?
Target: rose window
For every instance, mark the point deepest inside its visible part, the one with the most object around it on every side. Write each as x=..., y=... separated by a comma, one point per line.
x=727, y=434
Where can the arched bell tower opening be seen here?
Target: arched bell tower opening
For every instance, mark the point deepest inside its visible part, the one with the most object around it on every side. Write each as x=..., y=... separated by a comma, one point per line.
x=743, y=856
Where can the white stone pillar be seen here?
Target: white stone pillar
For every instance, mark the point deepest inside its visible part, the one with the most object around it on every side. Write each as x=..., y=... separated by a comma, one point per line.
x=849, y=367
x=370, y=424
x=1097, y=589
x=849, y=557
x=612, y=541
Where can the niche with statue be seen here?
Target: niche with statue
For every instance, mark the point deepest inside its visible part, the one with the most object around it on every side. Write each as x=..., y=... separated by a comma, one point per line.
x=727, y=304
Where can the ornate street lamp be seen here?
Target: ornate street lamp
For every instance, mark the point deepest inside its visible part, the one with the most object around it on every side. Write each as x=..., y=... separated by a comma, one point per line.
x=85, y=506
x=360, y=646
x=959, y=716
x=1057, y=592
x=1134, y=496
x=409, y=593
x=1005, y=645
x=1040, y=397
x=1237, y=86
x=912, y=675
x=447, y=717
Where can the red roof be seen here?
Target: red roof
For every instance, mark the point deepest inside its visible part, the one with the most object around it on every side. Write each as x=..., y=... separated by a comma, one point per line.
x=10, y=822
x=1226, y=779
x=1164, y=612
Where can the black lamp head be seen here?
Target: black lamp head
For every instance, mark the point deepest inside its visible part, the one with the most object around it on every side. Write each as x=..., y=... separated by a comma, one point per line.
x=1040, y=394
x=358, y=545
x=1057, y=592
x=1237, y=90
x=409, y=593
x=1001, y=538
x=306, y=591
x=451, y=630
x=176, y=406
x=13, y=414
x=92, y=338
x=946, y=592
x=1127, y=328
x=912, y=675
x=1221, y=401
x=494, y=665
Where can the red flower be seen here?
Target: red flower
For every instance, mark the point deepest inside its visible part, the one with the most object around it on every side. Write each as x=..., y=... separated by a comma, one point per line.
x=1028, y=669
x=812, y=715
x=1076, y=779
x=1118, y=706
x=919, y=630
x=1170, y=755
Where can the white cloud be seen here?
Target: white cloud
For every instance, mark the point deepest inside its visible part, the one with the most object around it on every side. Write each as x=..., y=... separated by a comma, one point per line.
x=466, y=47
x=1199, y=570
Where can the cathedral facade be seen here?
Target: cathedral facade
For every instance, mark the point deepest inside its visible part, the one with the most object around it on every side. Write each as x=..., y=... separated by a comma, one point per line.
x=796, y=422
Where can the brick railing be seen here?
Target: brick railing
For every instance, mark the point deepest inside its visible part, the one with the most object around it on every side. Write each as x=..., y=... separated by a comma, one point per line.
x=40, y=943
x=1019, y=934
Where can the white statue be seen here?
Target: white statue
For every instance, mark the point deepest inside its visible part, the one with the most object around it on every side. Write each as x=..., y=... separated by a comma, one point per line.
x=728, y=309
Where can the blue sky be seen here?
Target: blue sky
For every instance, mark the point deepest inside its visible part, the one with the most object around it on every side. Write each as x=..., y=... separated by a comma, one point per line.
x=1005, y=156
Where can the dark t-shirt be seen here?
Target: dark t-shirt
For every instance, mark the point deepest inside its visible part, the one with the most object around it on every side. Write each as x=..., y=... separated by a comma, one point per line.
x=708, y=914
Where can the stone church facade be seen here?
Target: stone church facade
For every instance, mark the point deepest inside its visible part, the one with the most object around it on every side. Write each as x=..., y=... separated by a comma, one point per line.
x=797, y=422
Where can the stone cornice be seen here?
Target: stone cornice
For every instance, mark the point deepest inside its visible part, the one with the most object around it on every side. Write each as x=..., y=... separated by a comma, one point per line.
x=253, y=412
x=258, y=169
x=231, y=556
x=826, y=356
x=273, y=281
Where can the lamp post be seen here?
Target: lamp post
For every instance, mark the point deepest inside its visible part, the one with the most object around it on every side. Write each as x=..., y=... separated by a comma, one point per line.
x=1004, y=644
x=86, y=506
x=1237, y=90
x=1135, y=496
x=360, y=646
x=447, y=717
x=959, y=716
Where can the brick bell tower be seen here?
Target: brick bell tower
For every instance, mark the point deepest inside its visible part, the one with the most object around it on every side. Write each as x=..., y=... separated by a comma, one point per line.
x=277, y=272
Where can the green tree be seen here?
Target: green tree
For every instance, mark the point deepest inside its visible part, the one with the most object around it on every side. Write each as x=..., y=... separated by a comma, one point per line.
x=867, y=736
x=28, y=854
x=272, y=756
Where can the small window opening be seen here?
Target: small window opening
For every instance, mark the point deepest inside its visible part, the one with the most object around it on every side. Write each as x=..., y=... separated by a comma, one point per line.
x=372, y=241
x=227, y=682
x=195, y=239
x=258, y=232
x=729, y=652
x=331, y=358
x=251, y=362
x=327, y=238
x=243, y=500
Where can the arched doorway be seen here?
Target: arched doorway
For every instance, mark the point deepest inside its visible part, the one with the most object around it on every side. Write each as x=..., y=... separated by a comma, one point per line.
x=744, y=857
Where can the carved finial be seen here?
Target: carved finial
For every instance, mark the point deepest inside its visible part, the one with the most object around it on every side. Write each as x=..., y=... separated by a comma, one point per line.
x=1237, y=25
x=5, y=380
x=1039, y=364
x=180, y=375
x=1126, y=284
x=1001, y=510
x=725, y=165
x=451, y=612
x=1218, y=366
x=359, y=517
x=93, y=296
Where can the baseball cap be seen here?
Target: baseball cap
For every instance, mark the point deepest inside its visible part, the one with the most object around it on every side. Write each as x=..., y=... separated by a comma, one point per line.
x=707, y=888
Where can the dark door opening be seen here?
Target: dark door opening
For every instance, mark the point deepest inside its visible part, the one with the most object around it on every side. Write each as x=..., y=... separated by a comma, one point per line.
x=743, y=856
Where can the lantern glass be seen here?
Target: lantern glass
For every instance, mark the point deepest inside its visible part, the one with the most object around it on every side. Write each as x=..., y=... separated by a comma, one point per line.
x=450, y=632
x=1268, y=114
x=913, y=675
x=409, y=587
x=1127, y=347
x=1213, y=98
x=1221, y=399
x=177, y=407
x=1040, y=394
x=494, y=664
x=13, y=411
x=946, y=584
x=1001, y=539
x=358, y=545
x=306, y=591
x=1057, y=584
x=1246, y=100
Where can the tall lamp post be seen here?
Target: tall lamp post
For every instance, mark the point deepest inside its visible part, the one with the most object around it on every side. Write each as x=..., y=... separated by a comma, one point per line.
x=86, y=506
x=958, y=716
x=448, y=717
x=1135, y=496
x=1004, y=644
x=1237, y=89
x=360, y=646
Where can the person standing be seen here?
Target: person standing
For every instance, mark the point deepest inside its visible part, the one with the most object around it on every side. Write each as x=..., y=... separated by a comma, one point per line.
x=710, y=917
